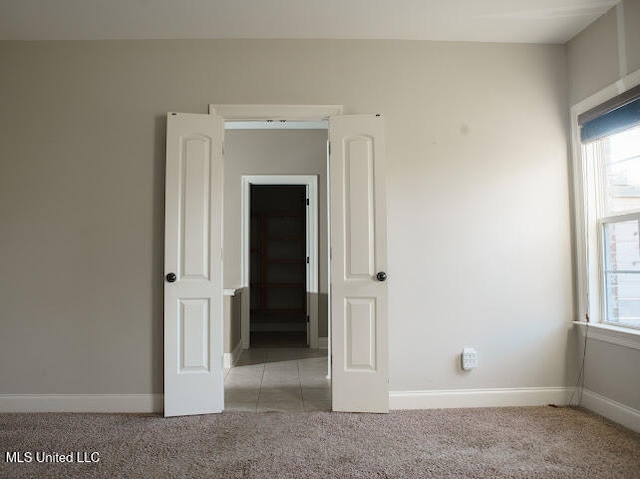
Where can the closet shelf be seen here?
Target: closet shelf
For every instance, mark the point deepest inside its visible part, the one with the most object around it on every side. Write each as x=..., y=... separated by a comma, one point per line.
x=279, y=279
x=279, y=285
x=278, y=311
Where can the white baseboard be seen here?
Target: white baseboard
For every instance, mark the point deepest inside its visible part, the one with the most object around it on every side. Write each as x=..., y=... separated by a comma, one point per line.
x=456, y=398
x=460, y=398
x=613, y=410
x=136, y=403
x=230, y=359
x=323, y=343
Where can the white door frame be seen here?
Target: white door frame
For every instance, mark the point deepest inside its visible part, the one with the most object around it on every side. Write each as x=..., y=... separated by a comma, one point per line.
x=275, y=112
x=311, y=183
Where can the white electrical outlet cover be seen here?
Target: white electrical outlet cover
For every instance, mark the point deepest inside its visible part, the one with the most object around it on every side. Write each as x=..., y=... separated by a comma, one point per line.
x=469, y=359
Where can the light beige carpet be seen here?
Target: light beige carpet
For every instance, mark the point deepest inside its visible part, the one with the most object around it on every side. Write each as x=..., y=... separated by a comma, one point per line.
x=535, y=442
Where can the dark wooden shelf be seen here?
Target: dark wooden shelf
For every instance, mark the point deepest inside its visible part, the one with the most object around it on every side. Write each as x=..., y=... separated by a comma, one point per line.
x=278, y=311
x=285, y=261
x=282, y=215
x=279, y=285
x=286, y=237
x=279, y=234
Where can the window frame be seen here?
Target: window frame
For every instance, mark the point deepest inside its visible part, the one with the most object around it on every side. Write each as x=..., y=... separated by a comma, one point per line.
x=602, y=260
x=589, y=285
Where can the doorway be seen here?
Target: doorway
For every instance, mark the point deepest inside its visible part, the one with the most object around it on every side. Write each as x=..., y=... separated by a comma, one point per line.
x=196, y=148
x=278, y=266
x=311, y=226
x=282, y=366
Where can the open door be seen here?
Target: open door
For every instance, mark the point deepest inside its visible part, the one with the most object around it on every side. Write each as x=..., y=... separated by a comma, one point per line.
x=193, y=308
x=358, y=264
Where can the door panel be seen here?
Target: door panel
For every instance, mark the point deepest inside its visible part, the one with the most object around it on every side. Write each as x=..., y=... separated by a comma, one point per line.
x=361, y=337
x=194, y=201
x=358, y=243
x=193, y=253
x=193, y=331
x=359, y=210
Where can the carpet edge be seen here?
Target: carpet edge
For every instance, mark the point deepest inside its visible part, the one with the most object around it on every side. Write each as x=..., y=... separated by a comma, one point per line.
x=95, y=403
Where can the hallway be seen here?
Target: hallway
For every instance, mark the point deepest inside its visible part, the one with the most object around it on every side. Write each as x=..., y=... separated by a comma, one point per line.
x=279, y=379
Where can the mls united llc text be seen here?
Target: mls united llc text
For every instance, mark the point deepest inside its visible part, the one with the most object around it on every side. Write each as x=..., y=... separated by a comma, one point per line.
x=79, y=457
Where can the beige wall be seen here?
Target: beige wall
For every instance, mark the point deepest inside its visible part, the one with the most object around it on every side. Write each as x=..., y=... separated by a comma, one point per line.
x=479, y=242
x=612, y=371
x=605, y=51
x=273, y=152
x=631, y=15
x=597, y=59
x=599, y=41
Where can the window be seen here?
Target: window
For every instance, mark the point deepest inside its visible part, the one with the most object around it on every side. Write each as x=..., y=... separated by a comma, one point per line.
x=610, y=156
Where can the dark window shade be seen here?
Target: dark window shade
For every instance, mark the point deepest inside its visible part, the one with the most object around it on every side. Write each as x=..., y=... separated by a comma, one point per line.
x=613, y=116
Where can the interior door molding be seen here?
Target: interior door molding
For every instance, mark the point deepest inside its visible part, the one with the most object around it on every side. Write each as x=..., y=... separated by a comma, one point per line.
x=275, y=112
x=311, y=182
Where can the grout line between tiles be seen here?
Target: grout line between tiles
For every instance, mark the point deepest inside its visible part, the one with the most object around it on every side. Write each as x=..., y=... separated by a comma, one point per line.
x=299, y=357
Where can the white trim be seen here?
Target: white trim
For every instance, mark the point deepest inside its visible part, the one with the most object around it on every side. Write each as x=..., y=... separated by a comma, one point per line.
x=323, y=342
x=621, y=336
x=311, y=182
x=613, y=410
x=95, y=403
x=621, y=40
x=277, y=125
x=589, y=304
x=462, y=398
x=329, y=259
x=275, y=112
x=152, y=403
x=608, y=92
x=230, y=359
x=621, y=218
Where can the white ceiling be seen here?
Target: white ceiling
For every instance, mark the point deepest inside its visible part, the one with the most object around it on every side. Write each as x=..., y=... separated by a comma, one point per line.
x=521, y=21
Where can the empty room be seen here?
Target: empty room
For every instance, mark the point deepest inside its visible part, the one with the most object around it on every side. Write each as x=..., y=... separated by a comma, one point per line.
x=320, y=239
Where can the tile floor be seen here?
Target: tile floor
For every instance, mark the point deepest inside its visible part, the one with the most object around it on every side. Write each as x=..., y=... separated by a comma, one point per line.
x=279, y=379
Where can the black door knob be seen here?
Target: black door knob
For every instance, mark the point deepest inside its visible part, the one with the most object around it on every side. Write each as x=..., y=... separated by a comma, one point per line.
x=171, y=277
x=381, y=276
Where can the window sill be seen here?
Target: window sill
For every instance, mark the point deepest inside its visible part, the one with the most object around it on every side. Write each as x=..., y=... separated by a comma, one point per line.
x=629, y=338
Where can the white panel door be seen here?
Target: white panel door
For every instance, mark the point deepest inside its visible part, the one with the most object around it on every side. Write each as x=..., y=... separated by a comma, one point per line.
x=193, y=307
x=358, y=264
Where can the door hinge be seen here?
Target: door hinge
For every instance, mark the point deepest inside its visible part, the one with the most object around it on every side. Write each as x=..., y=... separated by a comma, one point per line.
x=307, y=260
x=329, y=147
x=307, y=201
x=308, y=319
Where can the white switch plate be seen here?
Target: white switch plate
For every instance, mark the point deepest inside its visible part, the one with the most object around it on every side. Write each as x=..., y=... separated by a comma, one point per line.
x=469, y=359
